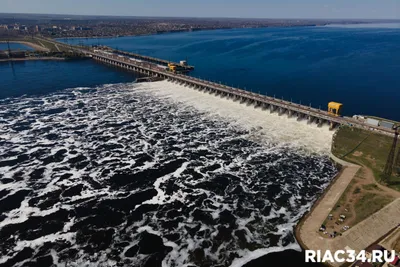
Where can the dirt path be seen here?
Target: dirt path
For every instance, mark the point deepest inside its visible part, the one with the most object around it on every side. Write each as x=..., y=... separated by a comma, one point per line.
x=363, y=184
x=360, y=236
x=370, y=179
x=309, y=233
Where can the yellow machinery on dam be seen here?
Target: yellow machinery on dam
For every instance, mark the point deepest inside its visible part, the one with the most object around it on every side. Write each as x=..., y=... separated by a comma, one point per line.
x=334, y=108
x=181, y=67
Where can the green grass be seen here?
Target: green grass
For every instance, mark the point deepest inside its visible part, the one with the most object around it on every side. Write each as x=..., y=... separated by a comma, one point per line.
x=357, y=190
x=360, y=173
x=370, y=187
x=372, y=151
x=48, y=45
x=374, y=147
x=368, y=204
x=347, y=140
x=36, y=41
x=342, y=200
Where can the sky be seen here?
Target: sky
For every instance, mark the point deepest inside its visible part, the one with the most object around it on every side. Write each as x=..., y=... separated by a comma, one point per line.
x=366, y=9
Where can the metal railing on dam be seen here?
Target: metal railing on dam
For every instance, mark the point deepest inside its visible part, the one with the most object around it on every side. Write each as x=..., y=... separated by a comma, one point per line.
x=274, y=104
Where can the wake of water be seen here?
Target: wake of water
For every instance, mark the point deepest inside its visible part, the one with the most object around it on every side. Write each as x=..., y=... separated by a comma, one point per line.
x=149, y=175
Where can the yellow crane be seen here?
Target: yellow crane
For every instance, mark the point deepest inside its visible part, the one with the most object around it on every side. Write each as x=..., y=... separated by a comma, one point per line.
x=334, y=108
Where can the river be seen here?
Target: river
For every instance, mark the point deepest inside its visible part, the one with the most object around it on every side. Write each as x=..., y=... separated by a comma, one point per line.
x=356, y=65
x=97, y=170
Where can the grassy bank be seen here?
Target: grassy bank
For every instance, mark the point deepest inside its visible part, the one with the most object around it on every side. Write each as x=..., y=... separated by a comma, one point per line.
x=368, y=148
x=35, y=43
x=366, y=193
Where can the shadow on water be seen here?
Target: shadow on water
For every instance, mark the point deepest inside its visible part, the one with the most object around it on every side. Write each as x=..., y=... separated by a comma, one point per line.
x=284, y=258
x=13, y=69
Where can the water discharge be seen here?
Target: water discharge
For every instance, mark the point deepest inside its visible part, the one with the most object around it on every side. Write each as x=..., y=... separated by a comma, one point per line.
x=262, y=125
x=152, y=174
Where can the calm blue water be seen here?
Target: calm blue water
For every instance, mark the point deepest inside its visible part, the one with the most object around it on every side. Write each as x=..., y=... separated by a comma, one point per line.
x=41, y=77
x=356, y=66
x=14, y=46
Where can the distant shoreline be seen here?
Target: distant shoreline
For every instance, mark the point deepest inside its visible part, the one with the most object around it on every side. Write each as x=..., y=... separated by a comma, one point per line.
x=32, y=59
x=147, y=34
x=29, y=44
x=233, y=28
x=197, y=30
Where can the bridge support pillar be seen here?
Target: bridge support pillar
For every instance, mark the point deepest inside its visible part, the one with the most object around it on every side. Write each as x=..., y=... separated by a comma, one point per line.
x=310, y=119
x=290, y=113
x=281, y=111
x=332, y=125
x=299, y=116
x=272, y=108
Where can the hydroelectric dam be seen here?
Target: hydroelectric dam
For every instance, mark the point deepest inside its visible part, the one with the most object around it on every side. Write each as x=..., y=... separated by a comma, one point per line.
x=151, y=67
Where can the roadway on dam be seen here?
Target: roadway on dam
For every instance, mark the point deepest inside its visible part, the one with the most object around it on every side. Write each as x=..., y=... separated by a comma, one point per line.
x=282, y=106
x=197, y=83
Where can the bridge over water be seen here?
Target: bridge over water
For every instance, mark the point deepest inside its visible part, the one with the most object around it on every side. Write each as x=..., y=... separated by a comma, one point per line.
x=282, y=107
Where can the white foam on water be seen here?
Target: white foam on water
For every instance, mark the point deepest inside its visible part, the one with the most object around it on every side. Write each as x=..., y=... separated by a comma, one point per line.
x=248, y=256
x=41, y=240
x=274, y=128
x=153, y=124
x=161, y=197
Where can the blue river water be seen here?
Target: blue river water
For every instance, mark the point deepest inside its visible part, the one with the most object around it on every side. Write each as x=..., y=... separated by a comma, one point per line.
x=14, y=46
x=113, y=145
x=42, y=77
x=357, y=66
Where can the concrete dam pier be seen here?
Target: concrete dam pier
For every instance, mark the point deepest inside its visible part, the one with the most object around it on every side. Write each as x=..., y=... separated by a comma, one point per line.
x=282, y=107
x=129, y=62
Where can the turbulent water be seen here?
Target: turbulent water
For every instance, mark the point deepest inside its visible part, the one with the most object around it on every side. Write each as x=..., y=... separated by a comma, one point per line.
x=150, y=175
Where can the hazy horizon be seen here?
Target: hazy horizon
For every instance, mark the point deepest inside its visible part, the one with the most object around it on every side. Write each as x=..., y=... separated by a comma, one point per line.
x=194, y=17
x=251, y=9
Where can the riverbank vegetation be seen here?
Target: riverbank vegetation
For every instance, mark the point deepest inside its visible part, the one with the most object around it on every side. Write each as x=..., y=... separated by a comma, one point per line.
x=367, y=148
x=38, y=44
x=366, y=193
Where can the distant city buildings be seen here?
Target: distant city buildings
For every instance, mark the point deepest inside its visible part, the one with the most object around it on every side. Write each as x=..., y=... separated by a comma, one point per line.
x=114, y=26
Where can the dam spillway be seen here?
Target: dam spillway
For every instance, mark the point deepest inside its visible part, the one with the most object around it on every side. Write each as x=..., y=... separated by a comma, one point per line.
x=148, y=67
x=266, y=102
